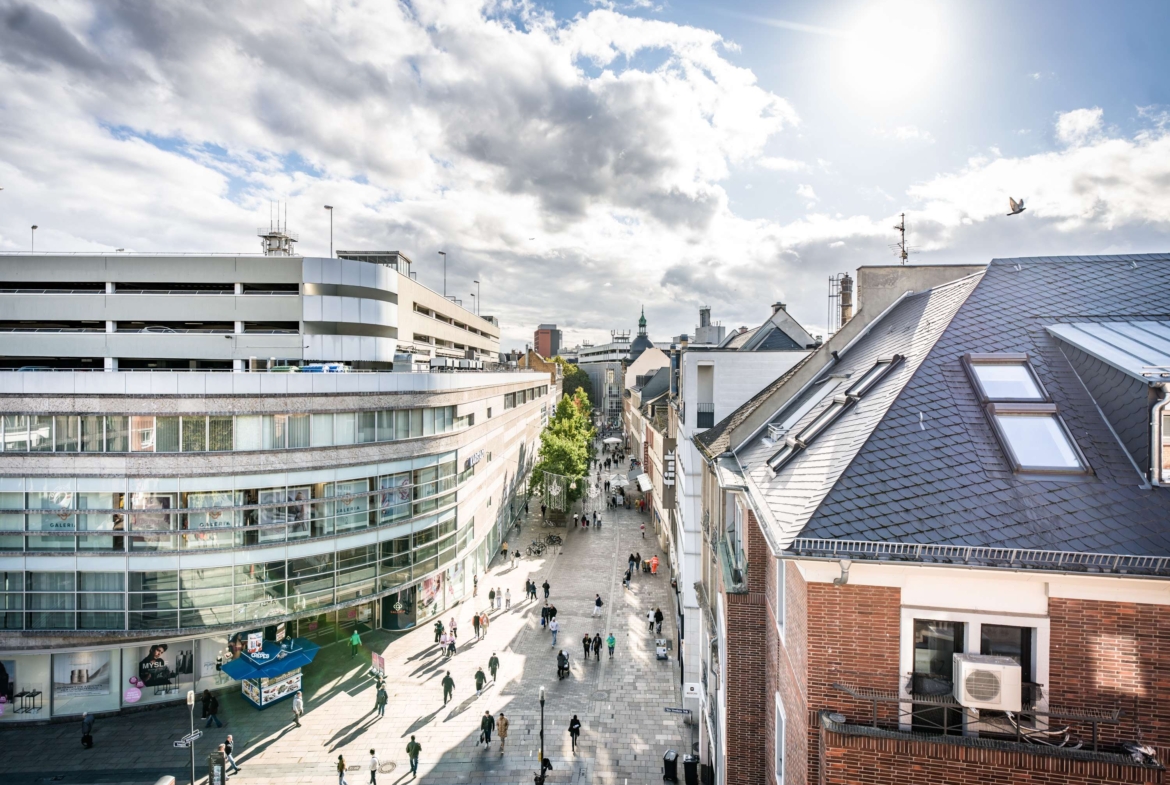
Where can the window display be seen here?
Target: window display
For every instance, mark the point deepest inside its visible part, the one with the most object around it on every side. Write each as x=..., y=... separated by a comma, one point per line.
x=83, y=681
x=163, y=671
x=27, y=692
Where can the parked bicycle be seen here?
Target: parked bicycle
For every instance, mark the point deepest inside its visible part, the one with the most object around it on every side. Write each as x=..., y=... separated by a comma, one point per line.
x=535, y=549
x=554, y=539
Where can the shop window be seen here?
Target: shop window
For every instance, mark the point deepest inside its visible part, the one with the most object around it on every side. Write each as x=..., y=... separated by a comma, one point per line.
x=86, y=681
x=194, y=434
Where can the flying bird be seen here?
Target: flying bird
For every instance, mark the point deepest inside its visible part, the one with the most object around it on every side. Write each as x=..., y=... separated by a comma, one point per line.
x=1017, y=207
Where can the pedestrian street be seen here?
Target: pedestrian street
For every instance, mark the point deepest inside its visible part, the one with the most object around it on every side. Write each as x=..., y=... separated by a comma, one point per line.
x=620, y=702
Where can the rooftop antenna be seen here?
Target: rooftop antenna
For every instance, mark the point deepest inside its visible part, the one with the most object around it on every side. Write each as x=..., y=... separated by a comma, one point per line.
x=277, y=241
x=900, y=248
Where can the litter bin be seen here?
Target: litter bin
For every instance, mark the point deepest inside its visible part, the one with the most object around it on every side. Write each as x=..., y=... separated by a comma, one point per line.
x=670, y=766
x=691, y=769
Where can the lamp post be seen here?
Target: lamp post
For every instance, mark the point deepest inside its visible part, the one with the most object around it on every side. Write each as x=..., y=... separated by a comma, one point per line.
x=444, y=255
x=191, y=707
x=541, y=780
x=473, y=303
x=34, y=238
x=478, y=299
x=329, y=207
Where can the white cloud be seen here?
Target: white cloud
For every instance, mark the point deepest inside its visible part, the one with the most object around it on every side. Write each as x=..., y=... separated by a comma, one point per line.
x=781, y=164
x=806, y=191
x=906, y=133
x=1079, y=125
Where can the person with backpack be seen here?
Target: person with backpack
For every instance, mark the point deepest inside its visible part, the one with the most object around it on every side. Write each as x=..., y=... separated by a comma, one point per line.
x=562, y=665
x=574, y=730
x=597, y=603
x=380, y=700
x=413, y=748
x=210, y=709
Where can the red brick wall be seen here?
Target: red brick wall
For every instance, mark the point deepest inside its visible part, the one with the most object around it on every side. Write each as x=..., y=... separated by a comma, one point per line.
x=853, y=637
x=853, y=760
x=1107, y=654
x=787, y=674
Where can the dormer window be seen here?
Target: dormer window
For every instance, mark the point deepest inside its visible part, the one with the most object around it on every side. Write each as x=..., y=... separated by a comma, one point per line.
x=1026, y=421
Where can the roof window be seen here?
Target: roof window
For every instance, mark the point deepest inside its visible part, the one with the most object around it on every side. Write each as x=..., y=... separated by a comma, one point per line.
x=1026, y=421
x=793, y=445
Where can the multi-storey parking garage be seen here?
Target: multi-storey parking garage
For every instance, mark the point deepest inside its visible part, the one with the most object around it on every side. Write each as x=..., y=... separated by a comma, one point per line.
x=151, y=520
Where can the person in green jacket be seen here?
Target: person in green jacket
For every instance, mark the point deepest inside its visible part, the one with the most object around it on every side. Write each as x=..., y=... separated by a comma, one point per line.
x=355, y=641
x=494, y=665
x=448, y=687
x=480, y=679
x=380, y=701
x=610, y=641
x=413, y=748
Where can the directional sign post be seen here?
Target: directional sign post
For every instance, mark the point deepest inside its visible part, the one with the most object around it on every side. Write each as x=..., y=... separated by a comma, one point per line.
x=181, y=745
x=672, y=710
x=195, y=734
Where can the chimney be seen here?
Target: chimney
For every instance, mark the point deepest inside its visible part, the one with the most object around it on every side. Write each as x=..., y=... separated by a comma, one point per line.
x=705, y=316
x=846, y=298
x=778, y=307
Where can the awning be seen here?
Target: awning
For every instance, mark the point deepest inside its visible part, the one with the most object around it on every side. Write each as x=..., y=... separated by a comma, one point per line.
x=644, y=483
x=612, y=440
x=274, y=660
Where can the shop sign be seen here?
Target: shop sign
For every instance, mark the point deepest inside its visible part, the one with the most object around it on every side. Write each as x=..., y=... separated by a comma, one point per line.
x=473, y=459
x=255, y=642
x=280, y=632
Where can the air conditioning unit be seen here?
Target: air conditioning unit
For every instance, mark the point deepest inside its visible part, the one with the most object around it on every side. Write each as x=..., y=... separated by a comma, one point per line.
x=984, y=681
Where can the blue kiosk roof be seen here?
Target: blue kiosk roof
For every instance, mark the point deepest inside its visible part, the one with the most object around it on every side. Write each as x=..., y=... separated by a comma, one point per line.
x=273, y=660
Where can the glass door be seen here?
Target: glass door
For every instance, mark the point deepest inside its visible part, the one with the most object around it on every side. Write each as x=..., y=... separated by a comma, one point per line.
x=935, y=644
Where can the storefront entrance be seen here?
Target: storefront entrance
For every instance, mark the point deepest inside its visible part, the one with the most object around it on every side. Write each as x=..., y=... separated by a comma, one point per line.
x=398, y=610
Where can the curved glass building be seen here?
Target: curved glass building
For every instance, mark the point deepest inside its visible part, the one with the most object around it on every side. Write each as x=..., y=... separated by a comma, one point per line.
x=158, y=511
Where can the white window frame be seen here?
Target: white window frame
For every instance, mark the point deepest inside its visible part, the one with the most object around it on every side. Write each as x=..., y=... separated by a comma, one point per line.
x=779, y=737
x=973, y=621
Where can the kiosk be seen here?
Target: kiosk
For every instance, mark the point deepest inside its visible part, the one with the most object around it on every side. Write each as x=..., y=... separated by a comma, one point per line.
x=271, y=671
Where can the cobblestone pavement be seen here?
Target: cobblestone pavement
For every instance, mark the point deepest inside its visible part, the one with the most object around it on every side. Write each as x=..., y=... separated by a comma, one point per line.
x=620, y=702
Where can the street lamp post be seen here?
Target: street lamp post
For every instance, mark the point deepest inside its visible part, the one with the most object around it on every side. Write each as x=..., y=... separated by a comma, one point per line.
x=329, y=207
x=473, y=302
x=541, y=780
x=478, y=299
x=444, y=255
x=34, y=238
x=191, y=707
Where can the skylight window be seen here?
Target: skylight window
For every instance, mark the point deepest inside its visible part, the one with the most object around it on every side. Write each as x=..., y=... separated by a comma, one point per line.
x=1023, y=416
x=794, y=445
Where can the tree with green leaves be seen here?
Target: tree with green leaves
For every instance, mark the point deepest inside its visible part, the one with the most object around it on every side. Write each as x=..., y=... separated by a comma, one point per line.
x=573, y=378
x=566, y=445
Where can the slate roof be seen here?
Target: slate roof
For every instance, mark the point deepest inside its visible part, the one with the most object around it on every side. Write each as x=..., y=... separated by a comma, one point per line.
x=920, y=463
x=656, y=386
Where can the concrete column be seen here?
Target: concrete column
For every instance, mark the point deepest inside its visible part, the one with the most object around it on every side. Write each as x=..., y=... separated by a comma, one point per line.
x=110, y=289
x=111, y=363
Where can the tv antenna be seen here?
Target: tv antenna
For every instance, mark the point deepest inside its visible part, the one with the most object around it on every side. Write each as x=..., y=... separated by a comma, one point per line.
x=900, y=248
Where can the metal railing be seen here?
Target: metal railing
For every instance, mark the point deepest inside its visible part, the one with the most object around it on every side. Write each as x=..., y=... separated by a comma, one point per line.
x=984, y=556
x=706, y=415
x=735, y=568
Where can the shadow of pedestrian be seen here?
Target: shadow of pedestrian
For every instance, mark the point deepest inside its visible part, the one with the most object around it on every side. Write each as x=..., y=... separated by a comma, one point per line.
x=420, y=722
x=462, y=707
x=353, y=734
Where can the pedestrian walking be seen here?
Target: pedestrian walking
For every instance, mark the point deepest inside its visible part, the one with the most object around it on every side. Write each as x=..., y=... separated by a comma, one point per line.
x=480, y=680
x=444, y=640
x=610, y=641
x=638, y=560
x=543, y=509
x=554, y=628
x=454, y=629
x=210, y=709
x=508, y=599
x=341, y=770
x=450, y=645
x=493, y=665
x=499, y=599
x=504, y=550
x=229, y=746
x=626, y=580
x=474, y=585
x=643, y=531
x=562, y=664
x=574, y=730
x=373, y=768
x=438, y=630
x=475, y=624
x=502, y=730
x=87, y=730
x=597, y=646
x=484, y=620
x=448, y=687
x=380, y=700
x=413, y=748
x=355, y=641
x=658, y=617
x=597, y=605
x=491, y=598
x=630, y=562
x=574, y=520
x=486, y=726
x=653, y=565
x=544, y=615
x=586, y=643
x=650, y=620
x=298, y=708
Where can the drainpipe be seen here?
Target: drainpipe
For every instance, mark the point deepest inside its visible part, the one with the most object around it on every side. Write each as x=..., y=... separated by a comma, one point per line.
x=844, y=578
x=1156, y=458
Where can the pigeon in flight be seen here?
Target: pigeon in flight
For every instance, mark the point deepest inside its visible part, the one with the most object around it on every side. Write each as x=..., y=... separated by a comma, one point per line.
x=1017, y=207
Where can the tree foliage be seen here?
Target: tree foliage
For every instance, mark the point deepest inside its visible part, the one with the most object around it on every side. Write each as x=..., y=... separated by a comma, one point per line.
x=573, y=378
x=566, y=445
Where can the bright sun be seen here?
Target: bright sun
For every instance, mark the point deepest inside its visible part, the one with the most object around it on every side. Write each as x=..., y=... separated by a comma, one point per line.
x=892, y=50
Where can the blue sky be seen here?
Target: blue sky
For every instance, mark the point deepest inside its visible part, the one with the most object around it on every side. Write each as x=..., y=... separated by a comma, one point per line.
x=583, y=160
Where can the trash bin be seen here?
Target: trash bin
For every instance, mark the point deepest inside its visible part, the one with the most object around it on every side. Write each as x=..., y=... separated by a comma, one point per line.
x=670, y=766
x=691, y=769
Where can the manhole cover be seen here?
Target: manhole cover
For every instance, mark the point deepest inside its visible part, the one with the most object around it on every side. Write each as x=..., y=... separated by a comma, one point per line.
x=600, y=695
x=386, y=768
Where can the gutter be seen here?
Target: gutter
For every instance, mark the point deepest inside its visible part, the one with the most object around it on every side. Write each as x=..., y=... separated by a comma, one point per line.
x=1156, y=436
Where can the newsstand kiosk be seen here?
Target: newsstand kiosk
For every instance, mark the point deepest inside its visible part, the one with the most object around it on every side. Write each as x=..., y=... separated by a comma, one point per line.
x=271, y=672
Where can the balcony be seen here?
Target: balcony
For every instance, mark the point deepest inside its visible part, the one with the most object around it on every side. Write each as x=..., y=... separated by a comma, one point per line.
x=735, y=570
x=706, y=415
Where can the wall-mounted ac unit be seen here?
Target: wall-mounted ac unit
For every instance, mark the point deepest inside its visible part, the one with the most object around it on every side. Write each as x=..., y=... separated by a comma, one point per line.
x=984, y=681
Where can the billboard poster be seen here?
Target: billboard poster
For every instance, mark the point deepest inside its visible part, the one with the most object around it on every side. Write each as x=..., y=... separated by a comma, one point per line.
x=213, y=519
x=396, y=493
x=251, y=690
x=350, y=504
x=160, y=666
x=151, y=511
x=255, y=642
x=298, y=511
x=296, y=515
x=429, y=595
x=81, y=674
x=238, y=642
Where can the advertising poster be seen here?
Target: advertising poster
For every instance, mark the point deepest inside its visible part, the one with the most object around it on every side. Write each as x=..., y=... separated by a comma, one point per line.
x=350, y=504
x=396, y=492
x=255, y=642
x=272, y=516
x=275, y=689
x=429, y=595
x=160, y=667
x=251, y=690
x=298, y=511
x=214, y=519
x=151, y=511
x=81, y=674
x=238, y=642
